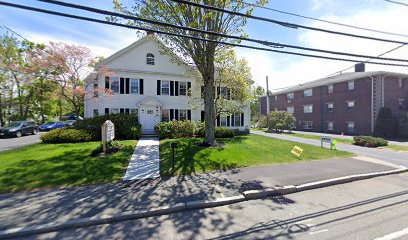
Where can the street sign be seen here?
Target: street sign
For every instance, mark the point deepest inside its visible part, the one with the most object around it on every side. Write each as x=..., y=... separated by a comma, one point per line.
x=325, y=139
x=108, y=133
x=297, y=151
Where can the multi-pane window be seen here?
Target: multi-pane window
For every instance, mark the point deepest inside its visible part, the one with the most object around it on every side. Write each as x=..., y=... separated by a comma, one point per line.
x=308, y=108
x=276, y=98
x=307, y=124
x=350, y=85
x=182, y=114
x=165, y=115
x=350, y=127
x=165, y=87
x=223, y=92
x=113, y=110
x=134, y=86
x=115, y=85
x=133, y=110
x=330, y=126
x=330, y=88
x=330, y=107
x=350, y=105
x=237, y=120
x=150, y=59
x=223, y=121
x=290, y=96
x=95, y=90
x=290, y=110
x=95, y=112
x=149, y=111
x=400, y=83
x=308, y=92
x=183, y=88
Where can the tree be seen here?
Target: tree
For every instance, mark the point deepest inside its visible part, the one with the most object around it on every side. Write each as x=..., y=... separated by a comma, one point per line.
x=279, y=121
x=403, y=125
x=385, y=124
x=202, y=53
x=256, y=93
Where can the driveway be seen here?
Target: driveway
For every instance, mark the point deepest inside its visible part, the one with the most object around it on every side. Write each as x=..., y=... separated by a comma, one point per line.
x=11, y=143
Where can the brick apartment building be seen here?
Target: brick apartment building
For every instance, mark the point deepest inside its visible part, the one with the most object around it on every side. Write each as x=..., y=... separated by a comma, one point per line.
x=347, y=103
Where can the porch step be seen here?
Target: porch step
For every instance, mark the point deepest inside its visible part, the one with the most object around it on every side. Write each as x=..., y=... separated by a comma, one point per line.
x=145, y=135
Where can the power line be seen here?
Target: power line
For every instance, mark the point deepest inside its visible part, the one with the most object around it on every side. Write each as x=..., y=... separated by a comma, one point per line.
x=267, y=43
x=285, y=24
x=185, y=36
x=325, y=21
x=396, y=2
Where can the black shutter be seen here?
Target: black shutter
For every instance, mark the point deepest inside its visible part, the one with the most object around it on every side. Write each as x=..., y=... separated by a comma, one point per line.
x=189, y=114
x=228, y=121
x=141, y=86
x=122, y=110
x=171, y=114
x=127, y=85
x=158, y=87
x=242, y=119
x=127, y=110
x=106, y=111
x=171, y=88
x=233, y=120
x=202, y=116
x=218, y=121
x=176, y=90
x=176, y=116
x=107, y=82
x=188, y=86
x=218, y=91
x=202, y=91
x=122, y=86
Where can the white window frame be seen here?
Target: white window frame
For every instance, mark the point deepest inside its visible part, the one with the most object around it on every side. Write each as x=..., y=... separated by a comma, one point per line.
x=350, y=85
x=307, y=125
x=351, y=108
x=330, y=126
x=95, y=90
x=133, y=110
x=116, y=80
x=348, y=126
x=138, y=85
x=95, y=111
x=332, y=108
x=308, y=106
x=168, y=87
x=223, y=118
x=168, y=115
x=308, y=92
x=400, y=84
x=180, y=88
x=150, y=59
x=292, y=109
x=330, y=88
x=276, y=98
x=180, y=115
x=290, y=96
x=237, y=117
x=114, y=110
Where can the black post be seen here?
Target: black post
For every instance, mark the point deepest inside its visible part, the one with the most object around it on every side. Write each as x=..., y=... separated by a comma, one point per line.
x=172, y=158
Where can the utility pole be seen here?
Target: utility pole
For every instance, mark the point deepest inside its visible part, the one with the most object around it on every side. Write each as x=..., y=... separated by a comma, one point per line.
x=267, y=95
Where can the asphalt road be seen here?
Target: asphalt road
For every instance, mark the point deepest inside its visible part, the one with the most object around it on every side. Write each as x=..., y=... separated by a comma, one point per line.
x=13, y=142
x=369, y=209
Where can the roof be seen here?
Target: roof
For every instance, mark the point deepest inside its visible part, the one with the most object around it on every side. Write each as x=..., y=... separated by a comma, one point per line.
x=336, y=79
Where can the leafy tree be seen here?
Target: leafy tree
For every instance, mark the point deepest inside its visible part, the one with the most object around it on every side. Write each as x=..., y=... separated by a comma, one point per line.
x=201, y=53
x=403, y=125
x=384, y=126
x=256, y=93
x=279, y=121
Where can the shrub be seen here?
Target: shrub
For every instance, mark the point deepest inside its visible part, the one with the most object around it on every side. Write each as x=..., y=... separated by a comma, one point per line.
x=176, y=129
x=278, y=121
x=163, y=129
x=262, y=122
x=385, y=125
x=403, y=125
x=223, y=132
x=126, y=126
x=66, y=135
x=367, y=141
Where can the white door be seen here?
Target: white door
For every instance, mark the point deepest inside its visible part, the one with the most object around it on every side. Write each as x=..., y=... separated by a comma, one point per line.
x=150, y=118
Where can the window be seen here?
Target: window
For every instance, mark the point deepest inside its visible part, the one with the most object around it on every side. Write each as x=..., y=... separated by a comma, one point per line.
x=290, y=96
x=150, y=59
x=165, y=87
x=133, y=110
x=237, y=120
x=95, y=90
x=276, y=98
x=330, y=88
x=350, y=85
x=330, y=107
x=307, y=124
x=95, y=112
x=350, y=127
x=115, y=85
x=165, y=115
x=308, y=92
x=182, y=114
x=400, y=84
x=308, y=108
x=183, y=88
x=330, y=126
x=350, y=105
x=223, y=121
x=149, y=111
x=113, y=110
x=134, y=86
x=400, y=103
x=290, y=110
x=223, y=92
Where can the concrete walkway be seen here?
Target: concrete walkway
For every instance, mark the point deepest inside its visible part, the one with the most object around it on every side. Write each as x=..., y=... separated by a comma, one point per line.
x=145, y=160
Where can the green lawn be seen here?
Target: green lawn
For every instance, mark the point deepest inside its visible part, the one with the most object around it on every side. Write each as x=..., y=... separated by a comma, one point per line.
x=397, y=148
x=51, y=165
x=347, y=141
x=239, y=151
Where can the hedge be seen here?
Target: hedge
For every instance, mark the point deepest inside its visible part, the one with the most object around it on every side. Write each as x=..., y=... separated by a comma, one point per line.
x=220, y=132
x=66, y=135
x=176, y=129
x=367, y=141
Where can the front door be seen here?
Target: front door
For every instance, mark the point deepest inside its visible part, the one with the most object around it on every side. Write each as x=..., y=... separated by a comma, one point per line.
x=150, y=118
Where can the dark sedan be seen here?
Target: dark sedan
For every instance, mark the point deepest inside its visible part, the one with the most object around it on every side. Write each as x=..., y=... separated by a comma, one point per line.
x=19, y=128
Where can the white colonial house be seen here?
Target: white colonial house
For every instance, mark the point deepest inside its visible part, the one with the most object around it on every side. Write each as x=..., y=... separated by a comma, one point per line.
x=146, y=81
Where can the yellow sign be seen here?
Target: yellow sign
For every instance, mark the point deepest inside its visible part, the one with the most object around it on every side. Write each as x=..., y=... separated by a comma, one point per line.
x=297, y=151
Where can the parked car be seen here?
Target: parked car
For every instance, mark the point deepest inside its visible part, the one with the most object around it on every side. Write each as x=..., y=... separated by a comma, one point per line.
x=51, y=125
x=70, y=123
x=19, y=128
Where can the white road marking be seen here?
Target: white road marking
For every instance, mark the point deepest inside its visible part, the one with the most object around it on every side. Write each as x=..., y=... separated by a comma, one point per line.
x=306, y=220
x=394, y=235
x=320, y=231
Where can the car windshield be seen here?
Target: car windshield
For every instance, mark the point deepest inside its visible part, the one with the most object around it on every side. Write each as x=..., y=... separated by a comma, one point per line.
x=13, y=124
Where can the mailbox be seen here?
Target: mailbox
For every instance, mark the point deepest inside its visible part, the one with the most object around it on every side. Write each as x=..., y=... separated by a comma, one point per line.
x=174, y=145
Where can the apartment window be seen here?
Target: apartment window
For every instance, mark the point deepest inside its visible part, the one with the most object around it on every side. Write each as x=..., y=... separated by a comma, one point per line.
x=150, y=59
x=113, y=110
x=400, y=103
x=183, y=88
x=223, y=121
x=350, y=127
x=276, y=98
x=330, y=88
x=95, y=112
x=400, y=83
x=330, y=126
x=308, y=92
x=95, y=90
x=134, y=86
x=165, y=115
x=350, y=85
x=290, y=110
x=307, y=124
x=290, y=96
x=165, y=87
x=115, y=85
x=308, y=108
x=237, y=120
x=330, y=107
x=182, y=114
x=350, y=105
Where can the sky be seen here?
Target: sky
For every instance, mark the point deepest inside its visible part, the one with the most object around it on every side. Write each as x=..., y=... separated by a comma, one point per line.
x=282, y=70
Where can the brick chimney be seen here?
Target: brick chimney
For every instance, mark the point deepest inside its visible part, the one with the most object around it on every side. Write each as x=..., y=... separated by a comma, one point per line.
x=359, y=67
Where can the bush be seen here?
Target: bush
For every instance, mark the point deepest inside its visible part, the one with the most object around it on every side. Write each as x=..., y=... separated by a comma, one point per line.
x=385, y=125
x=403, y=125
x=126, y=126
x=367, y=141
x=262, y=122
x=176, y=129
x=66, y=135
x=279, y=121
x=223, y=132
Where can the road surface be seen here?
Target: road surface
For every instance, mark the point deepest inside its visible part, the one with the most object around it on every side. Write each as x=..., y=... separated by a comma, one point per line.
x=13, y=142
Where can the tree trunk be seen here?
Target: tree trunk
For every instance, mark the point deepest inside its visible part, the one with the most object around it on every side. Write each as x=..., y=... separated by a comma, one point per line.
x=209, y=107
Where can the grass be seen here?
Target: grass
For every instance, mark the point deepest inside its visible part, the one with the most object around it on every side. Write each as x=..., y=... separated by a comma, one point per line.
x=237, y=152
x=397, y=147
x=52, y=165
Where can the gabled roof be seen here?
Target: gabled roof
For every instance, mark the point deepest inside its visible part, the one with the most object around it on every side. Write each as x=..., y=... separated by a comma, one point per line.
x=149, y=101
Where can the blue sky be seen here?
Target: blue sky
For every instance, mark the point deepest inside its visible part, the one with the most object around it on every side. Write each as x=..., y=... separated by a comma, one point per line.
x=283, y=70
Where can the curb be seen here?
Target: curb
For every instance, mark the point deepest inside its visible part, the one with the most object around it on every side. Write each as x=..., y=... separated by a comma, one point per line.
x=178, y=207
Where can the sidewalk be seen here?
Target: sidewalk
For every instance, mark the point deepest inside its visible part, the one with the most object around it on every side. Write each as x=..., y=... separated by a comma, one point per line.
x=60, y=205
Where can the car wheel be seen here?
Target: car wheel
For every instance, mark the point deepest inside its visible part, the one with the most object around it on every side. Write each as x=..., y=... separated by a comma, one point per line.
x=34, y=131
x=19, y=134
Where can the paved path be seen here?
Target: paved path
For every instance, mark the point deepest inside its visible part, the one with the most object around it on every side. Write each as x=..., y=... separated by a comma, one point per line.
x=399, y=158
x=13, y=142
x=145, y=160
